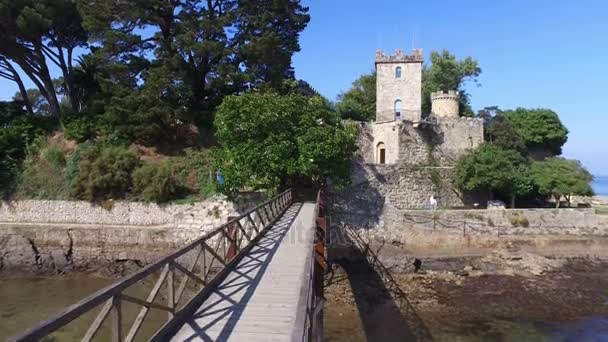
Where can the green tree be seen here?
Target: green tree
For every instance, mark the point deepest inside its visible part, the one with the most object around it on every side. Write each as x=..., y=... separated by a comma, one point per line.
x=204, y=50
x=270, y=141
x=448, y=73
x=521, y=183
x=540, y=129
x=359, y=102
x=39, y=33
x=491, y=169
x=559, y=177
x=499, y=131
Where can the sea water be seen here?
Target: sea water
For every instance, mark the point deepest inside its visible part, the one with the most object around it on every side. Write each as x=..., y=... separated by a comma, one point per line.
x=600, y=185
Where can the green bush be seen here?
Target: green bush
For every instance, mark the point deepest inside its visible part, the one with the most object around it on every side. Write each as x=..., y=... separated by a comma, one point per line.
x=14, y=138
x=104, y=172
x=42, y=175
x=80, y=129
x=518, y=220
x=196, y=170
x=156, y=182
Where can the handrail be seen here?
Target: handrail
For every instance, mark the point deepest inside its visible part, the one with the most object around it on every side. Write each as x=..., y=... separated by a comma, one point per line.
x=235, y=236
x=309, y=318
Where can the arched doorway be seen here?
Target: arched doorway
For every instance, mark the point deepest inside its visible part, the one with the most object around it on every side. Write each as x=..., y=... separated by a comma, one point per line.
x=380, y=153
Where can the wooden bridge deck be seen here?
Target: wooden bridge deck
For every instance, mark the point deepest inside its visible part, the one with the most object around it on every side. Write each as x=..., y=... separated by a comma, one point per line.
x=258, y=300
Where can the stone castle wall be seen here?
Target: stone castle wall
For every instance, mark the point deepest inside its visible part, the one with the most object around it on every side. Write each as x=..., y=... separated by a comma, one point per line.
x=448, y=141
x=424, y=164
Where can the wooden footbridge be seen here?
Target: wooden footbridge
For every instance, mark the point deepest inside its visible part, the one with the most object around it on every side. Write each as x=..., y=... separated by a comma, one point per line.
x=258, y=277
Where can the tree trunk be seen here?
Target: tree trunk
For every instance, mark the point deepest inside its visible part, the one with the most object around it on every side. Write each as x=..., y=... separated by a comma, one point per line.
x=512, y=201
x=557, y=198
x=45, y=77
x=22, y=90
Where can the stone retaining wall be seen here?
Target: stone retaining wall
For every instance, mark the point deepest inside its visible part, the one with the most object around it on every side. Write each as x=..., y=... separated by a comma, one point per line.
x=61, y=248
x=72, y=235
x=454, y=232
x=201, y=215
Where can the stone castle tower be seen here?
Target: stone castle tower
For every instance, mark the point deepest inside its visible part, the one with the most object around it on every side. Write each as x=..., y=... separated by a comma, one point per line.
x=400, y=124
x=398, y=86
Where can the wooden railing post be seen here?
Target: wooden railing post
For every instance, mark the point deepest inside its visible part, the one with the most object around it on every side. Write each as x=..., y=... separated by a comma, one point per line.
x=231, y=232
x=116, y=319
x=171, y=290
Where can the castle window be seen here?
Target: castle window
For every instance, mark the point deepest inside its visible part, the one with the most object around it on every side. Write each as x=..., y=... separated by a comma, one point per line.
x=380, y=153
x=398, y=109
x=398, y=72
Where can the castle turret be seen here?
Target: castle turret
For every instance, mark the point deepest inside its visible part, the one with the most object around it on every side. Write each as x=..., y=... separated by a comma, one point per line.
x=445, y=104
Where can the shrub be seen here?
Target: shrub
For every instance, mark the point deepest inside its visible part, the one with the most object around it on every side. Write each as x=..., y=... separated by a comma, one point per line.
x=14, y=139
x=518, y=220
x=42, y=175
x=196, y=170
x=80, y=129
x=104, y=172
x=156, y=182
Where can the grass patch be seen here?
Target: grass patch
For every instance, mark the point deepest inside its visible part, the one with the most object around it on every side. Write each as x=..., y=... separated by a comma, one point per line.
x=518, y=220
x=601, y=210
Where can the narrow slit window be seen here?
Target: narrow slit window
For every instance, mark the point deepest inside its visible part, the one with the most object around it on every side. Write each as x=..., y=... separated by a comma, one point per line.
x=398, y=109
x=398, y=72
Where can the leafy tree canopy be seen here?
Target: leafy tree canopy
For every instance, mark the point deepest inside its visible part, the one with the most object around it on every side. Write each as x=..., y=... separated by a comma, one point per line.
x=540, y=129
x=559, y=177
x=448, y=73
x=490, y=169
x=269, y=141
x=35, y=35
x=359, y=102
x=499, y=131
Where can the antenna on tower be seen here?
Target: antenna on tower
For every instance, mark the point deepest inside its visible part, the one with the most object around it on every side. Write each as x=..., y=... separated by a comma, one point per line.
x=412, y=41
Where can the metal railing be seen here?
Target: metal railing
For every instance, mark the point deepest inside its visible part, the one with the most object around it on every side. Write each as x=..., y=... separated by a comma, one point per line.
x=310, y=315
x=209, y=259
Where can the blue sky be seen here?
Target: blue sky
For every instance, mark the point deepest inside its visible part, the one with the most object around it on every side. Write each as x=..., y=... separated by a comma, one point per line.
x=537, y=53
x=533, y=53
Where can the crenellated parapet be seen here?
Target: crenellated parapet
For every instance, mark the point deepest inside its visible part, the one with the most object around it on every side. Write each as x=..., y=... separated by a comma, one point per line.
x=399, y=57
x=450, y=94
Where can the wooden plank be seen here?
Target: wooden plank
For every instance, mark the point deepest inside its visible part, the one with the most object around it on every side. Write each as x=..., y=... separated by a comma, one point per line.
x=101, y=317
x=145, y=303
x=190, y=274
x=171, y=290
x=116, y=315
x=184, y=282
x=143, y=312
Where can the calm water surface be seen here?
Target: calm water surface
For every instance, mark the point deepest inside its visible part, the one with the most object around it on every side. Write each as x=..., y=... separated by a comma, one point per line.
x=26, y=301
x=600, y=185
